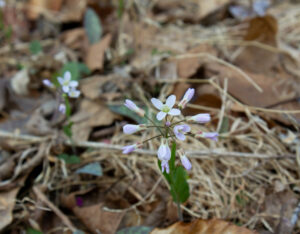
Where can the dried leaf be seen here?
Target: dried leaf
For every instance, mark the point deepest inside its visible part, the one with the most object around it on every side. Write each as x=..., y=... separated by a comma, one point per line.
x=201, y=226
x=95, y=54
x=136, y=230
x=20, y=81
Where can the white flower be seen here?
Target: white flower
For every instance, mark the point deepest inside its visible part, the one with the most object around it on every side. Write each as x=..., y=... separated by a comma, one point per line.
x=66, y=83
x=2, y=3
x=62, y=108
x=164, y=152
x=132, y=128
x=186, y=98
x=73, y=93
x=166, y=108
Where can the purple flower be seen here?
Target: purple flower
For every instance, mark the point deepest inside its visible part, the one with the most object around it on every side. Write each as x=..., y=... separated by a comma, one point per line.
x=164, y=152
x=66, y=82
x=210, y=135
x=168, y=124
x=186, y=98
x=166, y=108
x=132, y=128
x=165, y=166
x=49, y=84
x=186, y=162
x=179, y=131
x=129, y=148
x=132, y=106
x=62, y=108
x=200, y=118
x=79, y=201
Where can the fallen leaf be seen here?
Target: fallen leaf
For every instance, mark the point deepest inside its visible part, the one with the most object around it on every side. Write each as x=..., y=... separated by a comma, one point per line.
x=91, y=114
x=255, y=59
x=92, y=26
x=19, y=82
x=135, y=230
x=95, y=54
x=201, y=226
x=91, y=169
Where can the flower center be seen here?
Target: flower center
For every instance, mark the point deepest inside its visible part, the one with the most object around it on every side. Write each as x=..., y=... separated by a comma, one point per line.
x=66, y=83
x=165, y=109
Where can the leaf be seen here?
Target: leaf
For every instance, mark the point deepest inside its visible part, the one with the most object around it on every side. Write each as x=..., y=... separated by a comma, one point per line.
x=33, y=231
x=76, y=69
x=225, y=125
x=180, y=188
x=124, y=111
x=35, y=47
x=92, y=169
x=201, y=226
x=68, y=129
x=69, y=159
x=92, y=26
x=136, y=230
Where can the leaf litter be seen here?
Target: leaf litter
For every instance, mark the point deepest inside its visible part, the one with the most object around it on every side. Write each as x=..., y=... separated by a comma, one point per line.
x=244, y=71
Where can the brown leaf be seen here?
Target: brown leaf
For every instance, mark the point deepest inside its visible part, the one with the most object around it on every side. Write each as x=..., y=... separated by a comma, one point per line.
x=95, y=54
x=91, y=114
x=200, y=226
x=255, y=59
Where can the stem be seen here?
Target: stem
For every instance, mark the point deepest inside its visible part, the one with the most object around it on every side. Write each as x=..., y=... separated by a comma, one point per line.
x=151, y=138
x=177, y=122
x=180, y=216
x=158, y=128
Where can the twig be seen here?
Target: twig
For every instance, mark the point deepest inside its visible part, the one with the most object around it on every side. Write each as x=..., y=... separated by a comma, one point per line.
x=61, y=215
x=194, y=154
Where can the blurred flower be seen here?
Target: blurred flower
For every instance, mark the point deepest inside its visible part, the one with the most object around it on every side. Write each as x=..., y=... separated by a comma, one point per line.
x=199, y=118
x=66, y=83
x=211, y=135
x=132, y=106
x=164, y=152
x=62, y=108
x=185, y=161
x=48, y=83
x=73, y=93
x=130, y=148
x=132, y=128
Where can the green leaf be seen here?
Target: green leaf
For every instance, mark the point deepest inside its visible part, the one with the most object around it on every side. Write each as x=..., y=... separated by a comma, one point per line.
x=136, y=230
x=120, y=8
x=33, y=231
x=92, y=26
x=68, y=129
x=92, y=169
x=124, y=111
x=35, y=47
x=76, y=69
x=69, y=159
x=173, y=157
x=224, y=125
x=180, y=187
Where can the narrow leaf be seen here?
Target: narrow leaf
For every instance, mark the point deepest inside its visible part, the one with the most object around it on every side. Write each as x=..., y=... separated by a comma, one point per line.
x=69, y=159
x=92, y=26
x=92, y=169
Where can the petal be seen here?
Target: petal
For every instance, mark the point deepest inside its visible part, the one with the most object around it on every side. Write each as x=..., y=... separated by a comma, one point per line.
x=130, y=128
x=180, y=136
x=60, y=80
x=73, y=83
x=186, y=162
x=160, y=115
x=161, y=152
x=171, y=101
x=157, y=103
x=174, y=112
x=66, y=88
x=74, y=93
x=186, y=128
x=67, y=76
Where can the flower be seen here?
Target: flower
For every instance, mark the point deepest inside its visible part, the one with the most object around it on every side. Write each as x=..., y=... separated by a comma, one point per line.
x=210, y=135
x=185, y=161
x=73, y=93
x=179, y=131
x=165, y=166
x=132, y=106
x=165, y=108
x=200, y=118
x=132, y=128
x=2, y=3
x=48, y=83
x=164, y=152
x=66, y=82
x=62, y=108
x=129, y=148
x=186, y=98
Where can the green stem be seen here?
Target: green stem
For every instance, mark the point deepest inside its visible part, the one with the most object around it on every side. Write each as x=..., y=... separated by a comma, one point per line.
x=158, y=128
x=177, y=122
x=180, y=216
x=151, y=138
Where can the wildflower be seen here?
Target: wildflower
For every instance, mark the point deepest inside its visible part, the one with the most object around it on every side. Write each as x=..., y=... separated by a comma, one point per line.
x=185, y=161
x=66, y=83
x=48, y=83
x=200, y=118
x=130, y=148
x=132, y=106
x=186, y=98
x=166, y=108
x=179, y=131
x=168, y=123
x=62, y=108
x=165, y=166
x=132, y=128
x=210, y=135
x=164, y=152
x=73, y=92
x=2, y=3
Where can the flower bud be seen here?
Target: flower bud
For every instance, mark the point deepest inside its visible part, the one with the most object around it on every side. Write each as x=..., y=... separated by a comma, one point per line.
x=200, y=118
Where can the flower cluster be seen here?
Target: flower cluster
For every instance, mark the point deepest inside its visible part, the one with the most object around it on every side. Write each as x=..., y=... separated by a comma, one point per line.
x=169, y=129
x=68, y=88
